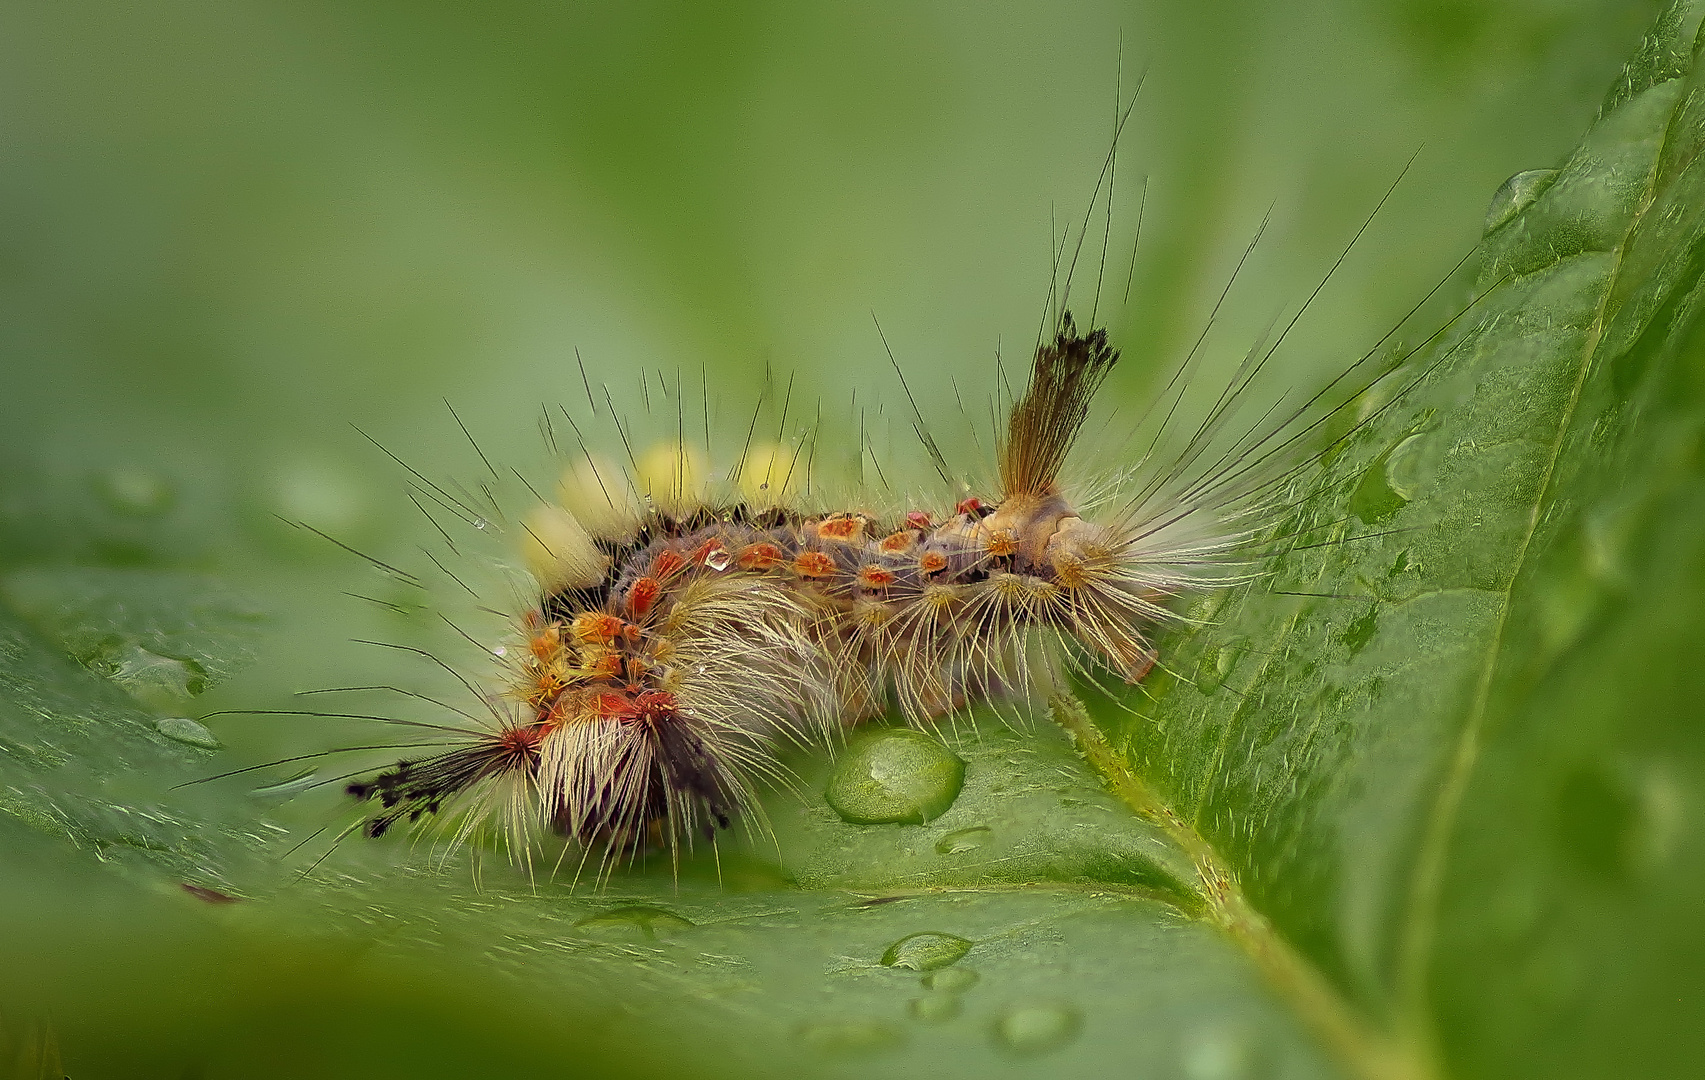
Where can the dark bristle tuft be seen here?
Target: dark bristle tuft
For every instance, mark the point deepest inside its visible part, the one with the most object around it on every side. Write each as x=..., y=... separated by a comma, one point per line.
x=1045, y=422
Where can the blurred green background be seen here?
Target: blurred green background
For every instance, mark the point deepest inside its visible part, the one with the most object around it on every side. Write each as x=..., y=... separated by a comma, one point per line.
x=230, y=230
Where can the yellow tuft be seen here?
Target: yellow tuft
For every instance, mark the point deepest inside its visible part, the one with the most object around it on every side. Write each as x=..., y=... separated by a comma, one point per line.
x=770, y=475
x=559, y=551
x=674, y=478
x=600, y=497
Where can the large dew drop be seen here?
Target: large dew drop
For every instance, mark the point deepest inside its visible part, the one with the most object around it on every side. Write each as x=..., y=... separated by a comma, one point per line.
x=895, y=776
x=926, y=951
x=190, y=732
x=633, y=924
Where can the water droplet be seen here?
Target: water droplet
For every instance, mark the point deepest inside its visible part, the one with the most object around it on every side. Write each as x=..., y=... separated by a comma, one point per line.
x=482, y=524
x=158, y=680
x=183, y=729
x=852, y=1037
x=953, y=980
x=639, y=923
x=135, y=492
x=1389, y=482
x=934, y=1008
x=1037, y=1028
x=926, y=951
x=1516, y=195
x=964, y=840
x=1218, y=661
x=500, y=650
x=895, y=775
x=718, y=560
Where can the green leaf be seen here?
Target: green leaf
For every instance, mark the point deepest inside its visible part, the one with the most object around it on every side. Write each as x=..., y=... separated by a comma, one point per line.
x=1464, y=780
x=1442, y=820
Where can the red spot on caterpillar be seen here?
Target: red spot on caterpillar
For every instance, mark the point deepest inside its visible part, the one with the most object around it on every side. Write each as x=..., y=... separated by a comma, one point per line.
x=841, y=527
x=595, y=627
x=655, y=705
x=917, y=519
x=814, y=564
x=667, y=564
x=642, y=594
x=968, y=506
x=647, y=705
x=932, y=562
x=874, y=577
x=612, y=705
x=759, y=556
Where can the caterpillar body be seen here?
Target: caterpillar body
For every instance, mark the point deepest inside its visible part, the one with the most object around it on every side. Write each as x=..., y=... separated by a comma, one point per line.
x=685, y=630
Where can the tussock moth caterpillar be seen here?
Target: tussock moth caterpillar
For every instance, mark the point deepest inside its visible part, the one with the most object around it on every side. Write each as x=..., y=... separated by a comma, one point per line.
x=695, y=609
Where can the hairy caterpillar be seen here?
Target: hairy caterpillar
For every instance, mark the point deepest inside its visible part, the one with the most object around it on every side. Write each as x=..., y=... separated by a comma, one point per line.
x=687, y=621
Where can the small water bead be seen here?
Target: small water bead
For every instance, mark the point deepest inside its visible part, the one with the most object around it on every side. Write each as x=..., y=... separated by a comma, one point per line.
x=190, y=732
x=852, y=1038
x=926, y=951
x=952, y=980
x=155, y=679
x=1032, y=1029
x=895, y=776
x=960, y=840
x=639, y=923
x=1389, y=482
x=1516, y=195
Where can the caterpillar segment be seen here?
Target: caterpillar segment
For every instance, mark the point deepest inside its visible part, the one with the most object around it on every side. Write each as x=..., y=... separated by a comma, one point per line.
x=677, y=646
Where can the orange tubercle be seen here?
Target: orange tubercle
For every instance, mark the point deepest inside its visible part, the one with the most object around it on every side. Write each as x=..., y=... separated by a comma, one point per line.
x=814, y=564
x=595, y=627
x=759, y=557
x=667, y=564
x=642, y=595
x=841, y=527
x=875, y=577
x=546, y=643
x=899, y=542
